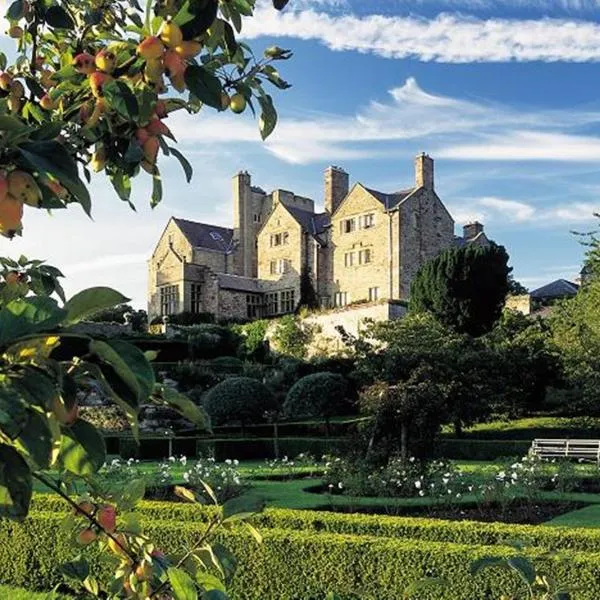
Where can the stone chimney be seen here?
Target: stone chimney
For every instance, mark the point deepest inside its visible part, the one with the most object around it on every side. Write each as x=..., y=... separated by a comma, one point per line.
x=472, y=230
x=337, y=183
x=424, y=171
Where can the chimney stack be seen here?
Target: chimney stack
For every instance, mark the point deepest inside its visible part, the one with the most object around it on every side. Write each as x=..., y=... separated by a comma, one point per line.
x=472, y=230
x=337, y=183
x=424, y=171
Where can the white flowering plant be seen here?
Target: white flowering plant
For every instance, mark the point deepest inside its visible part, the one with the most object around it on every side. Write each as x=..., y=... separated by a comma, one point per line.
x=224, y=479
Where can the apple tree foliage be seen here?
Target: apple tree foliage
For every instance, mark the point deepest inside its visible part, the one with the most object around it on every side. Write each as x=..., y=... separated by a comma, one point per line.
x=90, y=88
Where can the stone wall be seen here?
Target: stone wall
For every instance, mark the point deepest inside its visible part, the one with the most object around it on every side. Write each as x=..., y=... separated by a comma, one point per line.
x=281, y=222
x=327, y=340
x=356, y=279
x=426, y=229
x=520, y=304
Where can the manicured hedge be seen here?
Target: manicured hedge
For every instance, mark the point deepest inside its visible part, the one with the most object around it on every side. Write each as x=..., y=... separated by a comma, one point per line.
x=222, y=449
x=303, y=565
x=466, y=449
x=437, y=530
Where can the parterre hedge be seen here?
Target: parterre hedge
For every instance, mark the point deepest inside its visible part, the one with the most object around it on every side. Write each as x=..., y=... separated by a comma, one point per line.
x=304, y=565
x=435, y=530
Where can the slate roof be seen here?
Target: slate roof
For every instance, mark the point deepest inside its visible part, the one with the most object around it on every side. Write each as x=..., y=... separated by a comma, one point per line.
x=314, y=224
x=238, y=283
x=560, y=288
x=203, y=235
x=461, y=242
x=390, y=201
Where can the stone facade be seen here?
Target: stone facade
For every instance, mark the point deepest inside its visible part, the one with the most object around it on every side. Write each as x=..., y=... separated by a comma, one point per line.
x=366, y=246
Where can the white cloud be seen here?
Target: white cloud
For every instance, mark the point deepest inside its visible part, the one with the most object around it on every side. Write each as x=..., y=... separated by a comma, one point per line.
x=446, y=38
x=528, y=145
x=448, y=127
x=514, y=211
x=501, y=210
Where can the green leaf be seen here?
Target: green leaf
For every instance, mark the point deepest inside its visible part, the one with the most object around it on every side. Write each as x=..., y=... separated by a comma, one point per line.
x=13, y=412
x=205, y=86
x=214, y=595
x=242, y=507
x=28, y=315
x=15, y=484
x=48, y=131
x=8, y=123
x=209, y=582
x=53, y=158
x=122, y=184
x=184, y=15
x=82, y=449
x=226, y=560
x=268, y=118
x=523, y=567
x=139, y=365
x=157, y=190
x=56, y=16
x=183, y=405
x=120, y=97
x=35, y=439
x=185, y=165
x=77, y=569
x=90, y=301
x=16, y=11
x=3, y=61
x=182, y=584
x=130, y=496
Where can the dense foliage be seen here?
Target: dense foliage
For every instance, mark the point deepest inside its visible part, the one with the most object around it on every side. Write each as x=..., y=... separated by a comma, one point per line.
x=239, y=400
x=464, y=288
x=322, y=395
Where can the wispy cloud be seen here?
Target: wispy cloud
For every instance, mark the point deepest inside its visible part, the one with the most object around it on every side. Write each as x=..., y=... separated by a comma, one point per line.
x=451, y=128
x=446, y=38
x=498, y=210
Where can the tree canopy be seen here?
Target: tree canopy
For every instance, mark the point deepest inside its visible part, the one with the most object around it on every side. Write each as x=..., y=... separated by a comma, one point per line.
x=464, y=288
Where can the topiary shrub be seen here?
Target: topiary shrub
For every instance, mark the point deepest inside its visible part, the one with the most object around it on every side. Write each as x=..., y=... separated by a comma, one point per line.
x=318, y=395
x=227, y=364
x=239, y=400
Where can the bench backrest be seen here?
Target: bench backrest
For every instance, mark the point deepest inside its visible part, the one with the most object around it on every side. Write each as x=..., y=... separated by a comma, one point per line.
x=566, y=448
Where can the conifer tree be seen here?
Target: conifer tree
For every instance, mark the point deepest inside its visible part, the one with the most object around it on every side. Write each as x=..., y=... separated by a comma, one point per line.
x=464, y=288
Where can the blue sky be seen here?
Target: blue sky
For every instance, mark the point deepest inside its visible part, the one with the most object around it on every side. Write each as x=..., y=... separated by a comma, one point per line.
x=503, y=94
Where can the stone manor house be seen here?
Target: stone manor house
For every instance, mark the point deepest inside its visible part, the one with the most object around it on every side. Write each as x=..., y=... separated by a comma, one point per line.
x=365, y=247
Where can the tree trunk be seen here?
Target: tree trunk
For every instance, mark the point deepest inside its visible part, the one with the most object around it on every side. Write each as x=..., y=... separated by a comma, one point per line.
x=404, y=441
x=327, y=428
x=276, y=438
x=458, y=429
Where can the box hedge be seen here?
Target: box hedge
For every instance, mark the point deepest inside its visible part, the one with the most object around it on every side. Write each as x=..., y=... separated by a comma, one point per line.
x=304, y=565
x=437, y=530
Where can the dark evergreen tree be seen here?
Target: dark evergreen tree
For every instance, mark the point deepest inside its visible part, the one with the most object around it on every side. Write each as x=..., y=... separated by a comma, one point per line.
x=464, y=288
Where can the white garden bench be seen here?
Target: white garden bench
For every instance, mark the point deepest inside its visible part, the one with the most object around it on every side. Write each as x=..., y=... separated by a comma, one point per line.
x=580, y=449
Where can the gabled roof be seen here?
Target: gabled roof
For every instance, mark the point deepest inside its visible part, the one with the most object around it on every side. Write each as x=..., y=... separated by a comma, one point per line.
x=560, y=288
x=238, y=283
x=313, y=223
x=461, y=242
x=392, y=200
x=203, y=235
